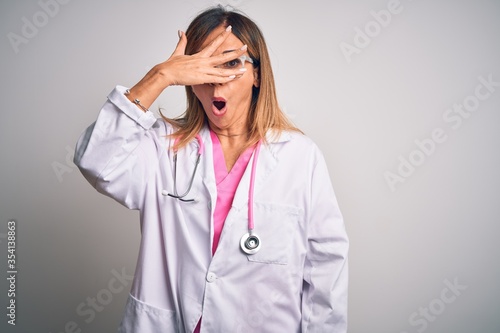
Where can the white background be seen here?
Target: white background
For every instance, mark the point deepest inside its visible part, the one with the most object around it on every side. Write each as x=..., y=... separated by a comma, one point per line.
x=366, y=111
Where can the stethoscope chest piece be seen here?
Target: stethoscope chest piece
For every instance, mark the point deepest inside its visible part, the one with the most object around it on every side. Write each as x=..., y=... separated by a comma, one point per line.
x=250, y=243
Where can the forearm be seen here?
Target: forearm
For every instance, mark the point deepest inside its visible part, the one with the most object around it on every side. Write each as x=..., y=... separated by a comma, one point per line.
x=149, y=87
x=114, y=153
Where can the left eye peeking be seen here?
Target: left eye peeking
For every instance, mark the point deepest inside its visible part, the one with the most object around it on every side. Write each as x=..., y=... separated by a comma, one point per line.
x=232, y=64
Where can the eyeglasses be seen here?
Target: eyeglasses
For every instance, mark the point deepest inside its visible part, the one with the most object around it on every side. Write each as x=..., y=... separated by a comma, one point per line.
x=236, y=63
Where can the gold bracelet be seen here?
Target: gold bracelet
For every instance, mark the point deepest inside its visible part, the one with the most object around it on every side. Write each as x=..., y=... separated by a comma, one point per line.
x=136, y=101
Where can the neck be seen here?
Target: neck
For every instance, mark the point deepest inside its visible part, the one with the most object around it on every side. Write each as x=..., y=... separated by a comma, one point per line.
x=229, y=135
x=233, y=141
x=235, y=136
x=232, y=144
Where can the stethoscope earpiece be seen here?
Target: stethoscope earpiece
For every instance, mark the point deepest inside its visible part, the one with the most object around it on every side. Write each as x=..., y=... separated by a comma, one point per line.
x=250, y=243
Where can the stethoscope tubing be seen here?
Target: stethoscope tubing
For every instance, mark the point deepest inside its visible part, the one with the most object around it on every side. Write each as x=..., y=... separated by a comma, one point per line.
x=250, y=243
x=251, y=188
x=201, y=149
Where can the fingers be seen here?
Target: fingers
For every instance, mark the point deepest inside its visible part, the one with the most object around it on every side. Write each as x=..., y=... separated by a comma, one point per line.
x=224, y=57
x=224, y=76
x=213, y=71
x=202, y=67
x=181, y=44
x=221, y=79
x=210, y=48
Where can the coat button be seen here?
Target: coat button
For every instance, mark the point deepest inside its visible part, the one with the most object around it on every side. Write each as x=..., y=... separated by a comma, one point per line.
x=211, y=277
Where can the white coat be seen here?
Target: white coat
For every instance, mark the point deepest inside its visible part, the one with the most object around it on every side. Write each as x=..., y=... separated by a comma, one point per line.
x=297, y=282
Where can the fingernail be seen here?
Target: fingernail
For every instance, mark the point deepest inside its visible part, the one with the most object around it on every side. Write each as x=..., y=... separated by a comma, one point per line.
x=243, y=69
x=231, y=77
x=179, y=33
x=244, y=47
x=229, y=28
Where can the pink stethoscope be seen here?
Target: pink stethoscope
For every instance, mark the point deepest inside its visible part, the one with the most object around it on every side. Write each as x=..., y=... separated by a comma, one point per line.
x=250, y=242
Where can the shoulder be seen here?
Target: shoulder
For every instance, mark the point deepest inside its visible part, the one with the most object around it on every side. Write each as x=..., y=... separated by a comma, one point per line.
x=293, y=139
x=292, y=143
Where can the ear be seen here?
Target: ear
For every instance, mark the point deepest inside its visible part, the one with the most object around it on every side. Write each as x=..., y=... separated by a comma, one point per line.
x=256, y=80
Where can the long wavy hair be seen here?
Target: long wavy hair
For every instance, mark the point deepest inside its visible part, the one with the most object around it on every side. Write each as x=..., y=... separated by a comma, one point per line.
x=265, y=113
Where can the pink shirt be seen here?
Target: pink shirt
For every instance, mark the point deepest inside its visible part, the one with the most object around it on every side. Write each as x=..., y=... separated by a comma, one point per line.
x=227, y=183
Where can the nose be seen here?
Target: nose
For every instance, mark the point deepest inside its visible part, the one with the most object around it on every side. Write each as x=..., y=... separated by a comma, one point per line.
x=215, y=84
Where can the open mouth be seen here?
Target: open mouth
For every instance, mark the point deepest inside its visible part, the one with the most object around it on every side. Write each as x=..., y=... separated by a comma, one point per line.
x=219, y=104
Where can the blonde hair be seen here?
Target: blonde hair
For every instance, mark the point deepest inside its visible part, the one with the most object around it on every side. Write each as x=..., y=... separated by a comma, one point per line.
x=265, y=113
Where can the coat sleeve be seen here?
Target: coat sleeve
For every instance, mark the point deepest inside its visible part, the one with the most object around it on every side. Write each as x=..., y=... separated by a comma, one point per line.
x=324, y=297
x=119, y=151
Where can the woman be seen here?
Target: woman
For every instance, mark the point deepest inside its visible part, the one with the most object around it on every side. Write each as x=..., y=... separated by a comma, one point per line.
x=251, y=239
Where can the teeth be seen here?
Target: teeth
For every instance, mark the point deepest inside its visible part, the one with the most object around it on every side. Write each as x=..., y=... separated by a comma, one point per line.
x=219, y=104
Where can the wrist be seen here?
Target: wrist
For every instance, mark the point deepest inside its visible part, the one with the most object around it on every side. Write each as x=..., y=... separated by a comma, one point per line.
x=136, y=101
x=146, y=91
x=162, y=76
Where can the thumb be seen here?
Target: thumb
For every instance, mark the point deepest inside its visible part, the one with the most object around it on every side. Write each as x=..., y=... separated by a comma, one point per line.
x=181, y=44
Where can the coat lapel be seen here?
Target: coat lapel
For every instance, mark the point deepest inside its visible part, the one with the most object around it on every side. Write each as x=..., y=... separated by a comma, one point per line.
x=266, y=163
x=207, y=167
